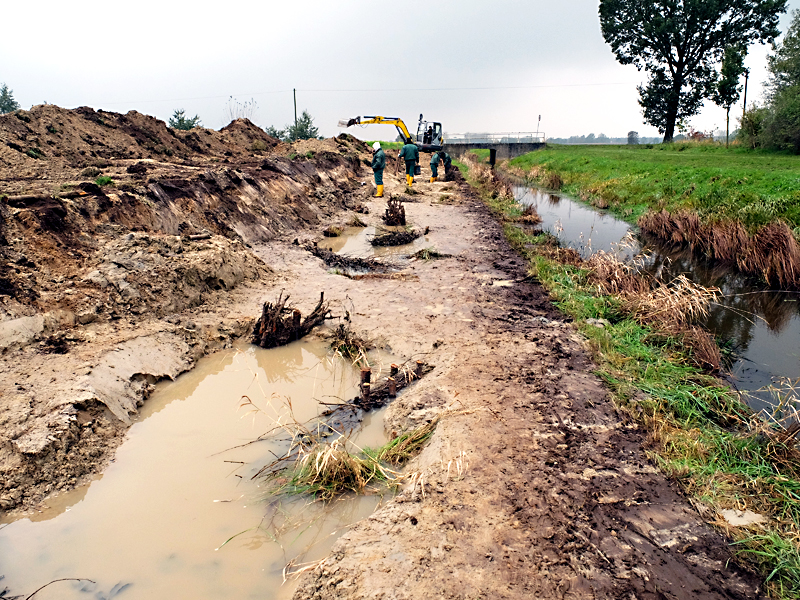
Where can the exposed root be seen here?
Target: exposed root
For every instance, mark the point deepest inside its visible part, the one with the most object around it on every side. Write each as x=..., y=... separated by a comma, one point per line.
x=395, y=238
x=349, y=263
x=280, y=324
x=395, y=213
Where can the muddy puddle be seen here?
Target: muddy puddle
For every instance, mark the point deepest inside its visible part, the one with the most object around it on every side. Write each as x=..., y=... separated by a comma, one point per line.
x=156, y=522
x=759, y=327
x=355, y=242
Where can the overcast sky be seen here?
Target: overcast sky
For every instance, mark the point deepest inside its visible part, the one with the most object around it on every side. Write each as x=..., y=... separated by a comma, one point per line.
x=473, y=65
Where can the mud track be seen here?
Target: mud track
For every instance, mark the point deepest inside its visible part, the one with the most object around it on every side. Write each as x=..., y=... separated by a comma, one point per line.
x=557, y=498
x=533, y=486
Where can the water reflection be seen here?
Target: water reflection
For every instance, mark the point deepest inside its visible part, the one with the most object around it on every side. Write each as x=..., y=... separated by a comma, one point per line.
x=156, y=524
x=761, y=326
x=355, y=241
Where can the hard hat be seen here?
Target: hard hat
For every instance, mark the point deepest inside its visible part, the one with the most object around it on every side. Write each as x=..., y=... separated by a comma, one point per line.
x=376, y=146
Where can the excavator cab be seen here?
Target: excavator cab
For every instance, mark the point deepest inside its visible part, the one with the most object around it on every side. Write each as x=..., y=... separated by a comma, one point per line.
x=429, y=136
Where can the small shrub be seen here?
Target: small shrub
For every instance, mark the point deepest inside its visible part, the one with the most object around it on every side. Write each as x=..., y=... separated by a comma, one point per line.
x=258, y=146
x=104, y=180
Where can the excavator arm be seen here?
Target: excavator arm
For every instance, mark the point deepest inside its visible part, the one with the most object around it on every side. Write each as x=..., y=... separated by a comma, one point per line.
x=397, y=122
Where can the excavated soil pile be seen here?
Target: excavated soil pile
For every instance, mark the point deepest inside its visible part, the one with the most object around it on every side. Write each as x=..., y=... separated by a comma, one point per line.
x=113, y=226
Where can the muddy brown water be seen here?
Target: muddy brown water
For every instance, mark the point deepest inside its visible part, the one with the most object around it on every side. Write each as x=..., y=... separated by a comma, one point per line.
x=155, y=523
x=760, y=326
x=355, y=241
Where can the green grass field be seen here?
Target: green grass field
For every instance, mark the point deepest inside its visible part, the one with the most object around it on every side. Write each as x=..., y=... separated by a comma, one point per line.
x=753, y=187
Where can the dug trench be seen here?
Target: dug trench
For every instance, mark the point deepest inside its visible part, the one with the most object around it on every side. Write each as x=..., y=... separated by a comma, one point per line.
x=532, y=485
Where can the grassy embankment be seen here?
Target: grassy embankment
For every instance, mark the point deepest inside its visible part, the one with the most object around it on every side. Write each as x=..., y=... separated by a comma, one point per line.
x=735, y=205
x=738, y=184
x=698, y=431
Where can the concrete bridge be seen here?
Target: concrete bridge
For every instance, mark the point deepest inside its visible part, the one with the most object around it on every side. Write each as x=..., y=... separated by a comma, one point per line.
x=500, y=145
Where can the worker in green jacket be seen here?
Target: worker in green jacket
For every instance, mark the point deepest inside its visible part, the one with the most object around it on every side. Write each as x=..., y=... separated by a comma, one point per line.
x=378, y=165
x=434, y=166
x=410, y=154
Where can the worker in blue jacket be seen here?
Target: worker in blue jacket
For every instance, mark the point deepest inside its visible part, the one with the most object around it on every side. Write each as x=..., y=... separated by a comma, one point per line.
x=378, y=165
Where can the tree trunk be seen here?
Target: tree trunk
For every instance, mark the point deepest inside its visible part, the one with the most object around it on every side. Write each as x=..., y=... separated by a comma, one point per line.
x=669, y=128
x=727, y=126
x=672, y=109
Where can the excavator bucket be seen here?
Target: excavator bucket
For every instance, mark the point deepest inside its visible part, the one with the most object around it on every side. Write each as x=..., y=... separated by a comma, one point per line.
x=349, y=122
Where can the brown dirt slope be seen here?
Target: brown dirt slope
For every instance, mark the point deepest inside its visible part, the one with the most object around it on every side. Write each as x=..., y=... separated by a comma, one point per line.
x=86, y=271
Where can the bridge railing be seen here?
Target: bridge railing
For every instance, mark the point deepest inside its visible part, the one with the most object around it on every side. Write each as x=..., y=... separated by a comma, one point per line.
x=496, y=138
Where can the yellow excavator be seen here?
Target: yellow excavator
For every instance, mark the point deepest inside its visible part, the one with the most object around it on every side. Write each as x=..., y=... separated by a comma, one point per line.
x=429, y=138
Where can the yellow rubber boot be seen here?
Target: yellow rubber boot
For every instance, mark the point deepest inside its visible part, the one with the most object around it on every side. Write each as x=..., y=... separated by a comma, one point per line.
x=409, y=180
x=433, y=179
x=379, y=193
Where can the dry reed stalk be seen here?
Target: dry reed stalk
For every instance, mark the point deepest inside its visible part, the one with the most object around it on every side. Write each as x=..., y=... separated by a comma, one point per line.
x=771, y=253
x=614, y=276
x=676, y=303
x=553, y=181
x=705, y=351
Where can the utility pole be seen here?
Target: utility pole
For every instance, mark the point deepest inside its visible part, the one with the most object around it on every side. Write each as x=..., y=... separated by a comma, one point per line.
x=294, y=93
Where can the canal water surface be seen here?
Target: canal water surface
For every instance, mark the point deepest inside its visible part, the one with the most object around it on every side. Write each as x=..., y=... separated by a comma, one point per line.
x=761, y=326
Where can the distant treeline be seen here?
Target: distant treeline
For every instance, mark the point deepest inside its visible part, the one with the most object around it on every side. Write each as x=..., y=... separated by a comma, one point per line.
x=602, y=139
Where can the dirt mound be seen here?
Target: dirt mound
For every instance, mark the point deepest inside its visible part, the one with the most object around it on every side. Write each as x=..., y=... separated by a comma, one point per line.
x=52, y=142
x=239, y=139
x=82, y=137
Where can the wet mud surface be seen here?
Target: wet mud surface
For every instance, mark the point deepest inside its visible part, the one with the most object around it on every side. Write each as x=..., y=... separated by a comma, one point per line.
x=556, y=498
x=532, y=485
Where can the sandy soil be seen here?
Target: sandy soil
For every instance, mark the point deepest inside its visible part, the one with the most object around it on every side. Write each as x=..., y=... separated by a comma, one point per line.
x=533, y=486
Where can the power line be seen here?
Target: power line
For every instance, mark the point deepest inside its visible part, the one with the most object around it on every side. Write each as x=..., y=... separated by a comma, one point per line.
x=460, y=89
x=381, y=90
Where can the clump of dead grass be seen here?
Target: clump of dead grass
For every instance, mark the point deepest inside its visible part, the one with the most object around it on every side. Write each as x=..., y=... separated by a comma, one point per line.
x=671, y=308
x=771, y=253
x=430, y=254
x=404, y=447
x=327, y=469
x=357, y=222
x=552, y=181
x=348, y=344
x=333, y=231
x=676, y=303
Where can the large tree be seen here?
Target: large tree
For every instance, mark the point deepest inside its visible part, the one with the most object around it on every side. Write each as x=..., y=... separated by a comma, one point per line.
x=680, y=43
x=781, y=116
